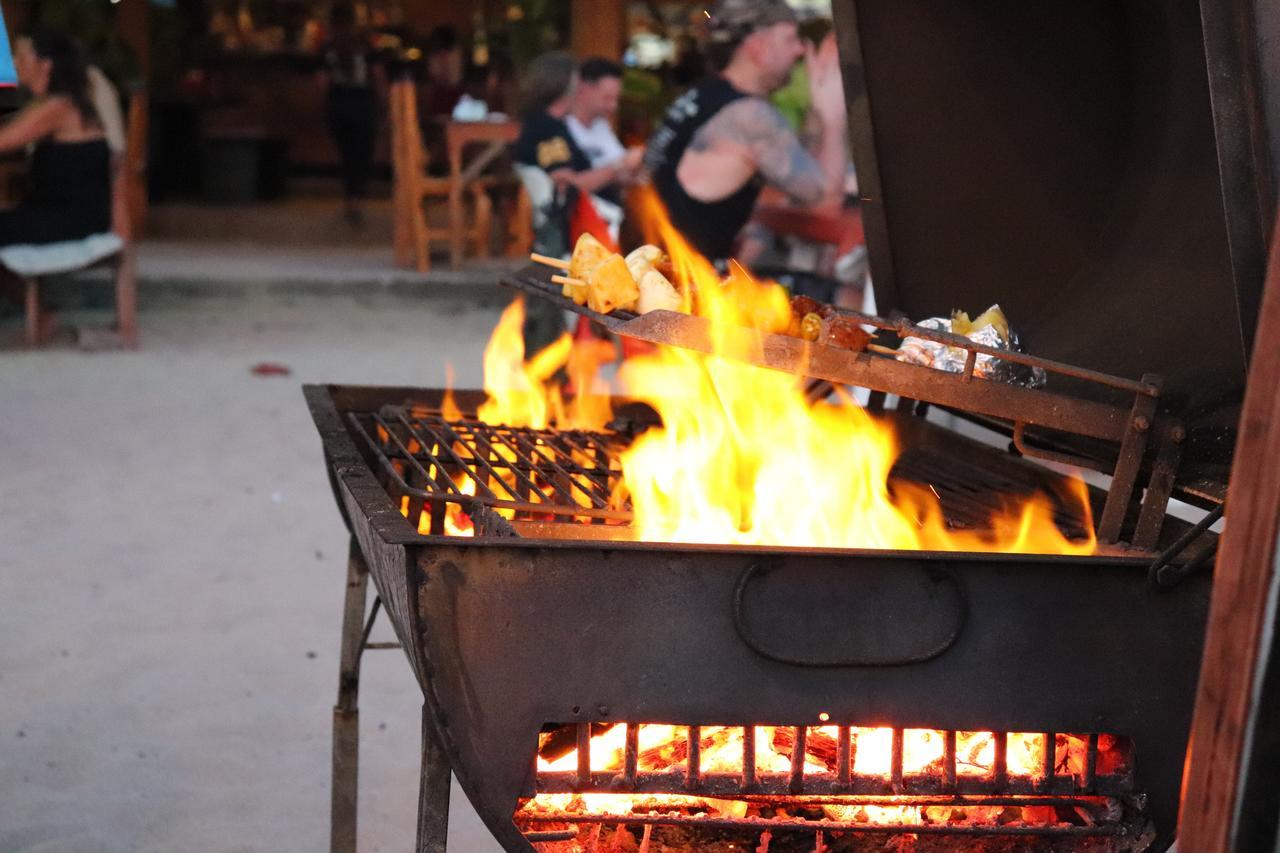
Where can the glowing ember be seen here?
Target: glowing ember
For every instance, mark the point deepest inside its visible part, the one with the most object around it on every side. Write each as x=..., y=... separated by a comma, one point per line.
x=663, y=751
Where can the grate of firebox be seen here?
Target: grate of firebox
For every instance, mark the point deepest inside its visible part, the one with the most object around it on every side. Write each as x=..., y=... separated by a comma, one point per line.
x=967, y=784
x=543, y=478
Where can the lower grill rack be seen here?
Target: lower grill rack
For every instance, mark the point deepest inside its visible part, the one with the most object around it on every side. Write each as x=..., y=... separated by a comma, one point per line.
x=831, y=782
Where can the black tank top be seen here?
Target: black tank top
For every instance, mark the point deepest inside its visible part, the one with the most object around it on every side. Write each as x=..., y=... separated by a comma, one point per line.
x=71, y=181
x=711, y=227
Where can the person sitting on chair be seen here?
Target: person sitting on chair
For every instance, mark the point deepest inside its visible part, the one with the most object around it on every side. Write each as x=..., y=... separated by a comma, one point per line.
x=595, y=103
x=69, y=179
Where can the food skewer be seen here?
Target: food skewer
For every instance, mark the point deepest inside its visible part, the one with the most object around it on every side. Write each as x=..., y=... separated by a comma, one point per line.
x=572, y=282
x=549, y=261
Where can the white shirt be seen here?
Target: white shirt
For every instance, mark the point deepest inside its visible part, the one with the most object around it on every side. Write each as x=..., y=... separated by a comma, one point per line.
x=107, y=104
x=598, y=141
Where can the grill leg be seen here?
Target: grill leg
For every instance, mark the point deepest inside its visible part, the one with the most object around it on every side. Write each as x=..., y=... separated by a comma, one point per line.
x=346, y=714
x=433, y=796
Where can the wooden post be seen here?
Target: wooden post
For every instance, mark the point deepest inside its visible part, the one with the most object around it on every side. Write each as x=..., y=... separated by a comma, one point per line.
x=598, y=28
x=1242, y=583
x=135, y=29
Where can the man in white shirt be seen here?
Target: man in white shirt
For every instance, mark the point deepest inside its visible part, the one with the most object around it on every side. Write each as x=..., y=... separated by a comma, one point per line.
x=595, y=103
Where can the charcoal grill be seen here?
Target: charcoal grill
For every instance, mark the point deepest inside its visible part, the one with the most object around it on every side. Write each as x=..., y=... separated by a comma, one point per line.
x=552, y=623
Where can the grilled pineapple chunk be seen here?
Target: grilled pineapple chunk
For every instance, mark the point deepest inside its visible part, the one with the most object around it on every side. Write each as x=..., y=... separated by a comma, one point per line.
x=610, y=286
x=588, y=253
x=657, y=293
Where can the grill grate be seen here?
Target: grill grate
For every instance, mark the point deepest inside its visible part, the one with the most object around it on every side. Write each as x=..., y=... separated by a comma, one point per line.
x=537, y=474
x=543, y=479
x=1080, y=788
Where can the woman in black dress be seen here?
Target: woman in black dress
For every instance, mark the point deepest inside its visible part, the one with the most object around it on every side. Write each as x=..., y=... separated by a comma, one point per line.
x=69, y=178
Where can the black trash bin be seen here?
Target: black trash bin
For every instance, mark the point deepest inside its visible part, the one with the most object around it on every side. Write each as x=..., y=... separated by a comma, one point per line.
x=241, y=168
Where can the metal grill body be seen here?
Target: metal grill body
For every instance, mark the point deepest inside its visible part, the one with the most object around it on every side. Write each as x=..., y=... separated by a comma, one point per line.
x=509, y=634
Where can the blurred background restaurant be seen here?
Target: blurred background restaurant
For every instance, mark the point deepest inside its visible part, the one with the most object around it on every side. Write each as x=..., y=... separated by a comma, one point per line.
x=236, y=141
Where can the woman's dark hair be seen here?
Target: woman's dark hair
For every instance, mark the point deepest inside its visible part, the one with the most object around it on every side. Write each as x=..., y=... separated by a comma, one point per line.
x=547, y=80
x=67, y=73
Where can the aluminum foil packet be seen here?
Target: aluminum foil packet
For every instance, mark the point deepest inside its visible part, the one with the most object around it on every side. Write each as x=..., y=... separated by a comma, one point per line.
x=997, y=335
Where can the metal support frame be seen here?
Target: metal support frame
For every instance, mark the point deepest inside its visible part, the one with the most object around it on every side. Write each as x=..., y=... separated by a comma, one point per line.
x=346, y=713
x=1132, y=448
x=356, y=628
x=433, y=792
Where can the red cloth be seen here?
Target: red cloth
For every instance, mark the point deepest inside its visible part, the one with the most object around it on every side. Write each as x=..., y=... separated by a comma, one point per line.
x=584, y=219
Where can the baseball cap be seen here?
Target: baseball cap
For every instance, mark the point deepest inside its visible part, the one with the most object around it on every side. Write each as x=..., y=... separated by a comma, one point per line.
x=731, y=20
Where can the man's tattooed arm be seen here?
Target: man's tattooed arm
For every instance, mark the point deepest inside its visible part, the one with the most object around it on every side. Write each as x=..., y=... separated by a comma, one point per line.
x=777, y=152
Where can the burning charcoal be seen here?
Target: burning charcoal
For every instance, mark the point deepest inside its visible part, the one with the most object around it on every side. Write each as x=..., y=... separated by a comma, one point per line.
x=818, y=745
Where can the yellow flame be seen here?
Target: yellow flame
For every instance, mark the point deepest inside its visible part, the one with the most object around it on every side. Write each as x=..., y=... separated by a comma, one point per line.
x=743, y=457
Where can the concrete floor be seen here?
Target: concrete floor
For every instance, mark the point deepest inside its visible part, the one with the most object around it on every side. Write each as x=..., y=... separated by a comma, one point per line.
x=171, y=577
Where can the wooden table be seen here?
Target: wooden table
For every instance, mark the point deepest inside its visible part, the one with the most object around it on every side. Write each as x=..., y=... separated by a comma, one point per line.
x=495, y=137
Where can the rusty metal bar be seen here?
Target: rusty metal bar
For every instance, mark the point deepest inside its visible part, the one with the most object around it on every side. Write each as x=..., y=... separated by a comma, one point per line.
x=748, y=757
x=800, y=734
x=433, y=791
x=535, y=281
x=346, y=711
x=800, y=824
x=631, y=754
x=693, y=769
x=1133, y=447
x=844, y=761
x=995, y=399
x=1000, y=766
x=584, y=755
x=1155, y=502
x=551, y=835
x=1090, y=781
x=1049, y=760
x=895, y=761
x=949, y=760
x=730, y=785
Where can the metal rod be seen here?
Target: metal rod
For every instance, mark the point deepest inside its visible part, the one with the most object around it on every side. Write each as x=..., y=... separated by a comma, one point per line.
x=1049, y=760
x=748, y=758
x=551, y=835
x=693, y=769
x=949, y=759
x=1000, y=767
x=584, y=755
x=844, y=762
x=800, y=735
x=895, y=765
x=1090, y=781
x=800, y=824
x=730, y=785
x=631, y=754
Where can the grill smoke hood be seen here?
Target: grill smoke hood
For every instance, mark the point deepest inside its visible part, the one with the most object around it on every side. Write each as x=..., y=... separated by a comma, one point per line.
x=1077, y=164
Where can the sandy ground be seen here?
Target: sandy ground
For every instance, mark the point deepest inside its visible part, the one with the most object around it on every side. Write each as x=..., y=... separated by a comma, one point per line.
x=171, y=577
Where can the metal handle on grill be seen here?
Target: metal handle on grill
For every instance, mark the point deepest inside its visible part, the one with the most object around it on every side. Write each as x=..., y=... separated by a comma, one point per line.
x=943, y=587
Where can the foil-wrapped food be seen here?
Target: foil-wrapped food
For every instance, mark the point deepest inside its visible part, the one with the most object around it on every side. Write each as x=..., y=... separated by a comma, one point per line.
x=991, y=329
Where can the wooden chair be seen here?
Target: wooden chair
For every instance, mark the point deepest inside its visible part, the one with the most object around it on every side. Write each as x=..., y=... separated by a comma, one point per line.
x=135, y=164
x=125, y=212
x=415, y=191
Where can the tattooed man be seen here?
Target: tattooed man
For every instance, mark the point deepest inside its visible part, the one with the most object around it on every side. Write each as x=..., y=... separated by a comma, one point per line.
x=721, y=141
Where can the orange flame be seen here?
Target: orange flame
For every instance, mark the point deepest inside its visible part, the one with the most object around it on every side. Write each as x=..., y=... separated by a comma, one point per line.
x=743, y=457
